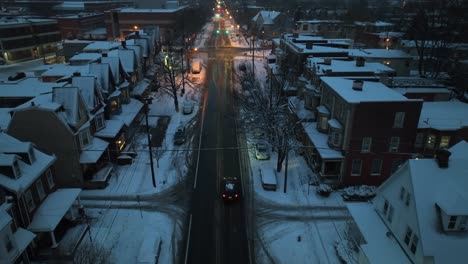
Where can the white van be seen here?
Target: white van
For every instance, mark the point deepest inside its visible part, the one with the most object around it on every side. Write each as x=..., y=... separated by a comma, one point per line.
x=196, y=66
x=268, y=178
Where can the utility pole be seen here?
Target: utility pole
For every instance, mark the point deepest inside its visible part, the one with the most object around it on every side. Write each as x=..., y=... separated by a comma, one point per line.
x=253, y=50
x=149, y=144
x=286, y=166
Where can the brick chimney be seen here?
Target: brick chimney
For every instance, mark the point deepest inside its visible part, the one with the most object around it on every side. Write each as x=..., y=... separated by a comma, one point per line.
x=124, y=44
x=442, y=157
x=360, y=62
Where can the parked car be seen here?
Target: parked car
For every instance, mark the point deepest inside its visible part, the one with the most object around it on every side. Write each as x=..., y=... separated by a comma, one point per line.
x=179, y=136
x=268, y=178
x=261, y=151
x=187, y=107
x=230, y=189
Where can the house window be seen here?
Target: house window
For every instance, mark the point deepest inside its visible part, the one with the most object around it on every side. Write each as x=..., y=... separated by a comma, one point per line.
x=444, y=142
x=408, y=235
x=414, y=244
x=394, y=142
x=50, y=179
x=419, y=140
x=323, y=123
x=452, y=222
x=356, y=168
x=99, y=122
x=336, y=138
x=402, y=193
x=376, y=167
x=385, y=207
x=395, y=165
x=366, y=144
x=399, y=120
x=390, y=214
x=84, y=138
x=430, y=142
x=8, y=243
x=29, y=200
x=408, y=199
x=40, y=189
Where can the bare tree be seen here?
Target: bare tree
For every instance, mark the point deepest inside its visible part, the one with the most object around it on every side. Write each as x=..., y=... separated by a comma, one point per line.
x=434, y=27
x=159, y=151
x=266, y=109
x=91, y=253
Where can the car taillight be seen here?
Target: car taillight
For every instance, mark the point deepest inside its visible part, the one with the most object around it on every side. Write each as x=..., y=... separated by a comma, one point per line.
x=236, y=195
x=224, y=196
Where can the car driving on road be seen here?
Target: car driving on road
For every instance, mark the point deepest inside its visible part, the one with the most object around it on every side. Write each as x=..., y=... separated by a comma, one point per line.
x=230, y=189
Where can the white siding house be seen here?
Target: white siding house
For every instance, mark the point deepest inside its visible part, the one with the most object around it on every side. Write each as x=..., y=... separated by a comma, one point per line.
x=422, y=213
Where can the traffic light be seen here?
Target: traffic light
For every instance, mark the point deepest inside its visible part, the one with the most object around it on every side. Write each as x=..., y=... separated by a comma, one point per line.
x=217, y=31
x=227, y=31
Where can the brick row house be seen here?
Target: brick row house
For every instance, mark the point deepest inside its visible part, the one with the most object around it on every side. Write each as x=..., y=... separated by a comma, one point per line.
x=92, y=109
x=363, y=131
x=29, y=194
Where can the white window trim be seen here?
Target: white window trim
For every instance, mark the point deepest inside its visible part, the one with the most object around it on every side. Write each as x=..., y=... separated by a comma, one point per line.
x=40, y=189
x=394, y=147
x=87, y=134
x=100, y=118
x=50, y=179
x=399, y=120
x=369, y=144
x=28, y=196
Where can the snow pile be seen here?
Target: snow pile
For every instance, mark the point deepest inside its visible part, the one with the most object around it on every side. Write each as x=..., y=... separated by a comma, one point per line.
x=360, y=192
x=324, y=189
x=345, y=251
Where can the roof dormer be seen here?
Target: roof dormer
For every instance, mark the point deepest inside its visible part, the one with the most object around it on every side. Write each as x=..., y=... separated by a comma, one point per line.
x=453, y=211
x=9, y=166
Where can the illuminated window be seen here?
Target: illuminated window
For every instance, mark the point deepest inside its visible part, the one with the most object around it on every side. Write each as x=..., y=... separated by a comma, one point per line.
x=430, y=142
x=444, y=141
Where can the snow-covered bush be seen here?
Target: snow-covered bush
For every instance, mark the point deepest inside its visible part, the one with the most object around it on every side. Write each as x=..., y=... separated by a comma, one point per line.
x=324, y=189
x=360, y=192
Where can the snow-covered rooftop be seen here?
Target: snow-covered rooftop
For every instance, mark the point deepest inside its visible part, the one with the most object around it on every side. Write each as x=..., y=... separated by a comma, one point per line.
x=345, y=67
x=320, y=141
x=450, y=115
x=92, y=152
x=111, y=130
x=380, y=248
x=28, y=87
x=99, y=46
x=379, y=53
x=129, y=111
x=148, y=10
x=371, y=91
x=431, y=185
x=29, y=172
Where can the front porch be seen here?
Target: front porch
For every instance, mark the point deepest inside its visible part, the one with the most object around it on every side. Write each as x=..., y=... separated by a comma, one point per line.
x=57, y=225
x=324, y=161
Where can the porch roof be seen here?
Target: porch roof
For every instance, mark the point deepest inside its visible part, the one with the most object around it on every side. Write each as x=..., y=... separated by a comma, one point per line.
x=129, y=112
x=52, y=209
x=111, y=130
x=92, y=152
x=23, y=238
x=320, y=141
x=380, y=247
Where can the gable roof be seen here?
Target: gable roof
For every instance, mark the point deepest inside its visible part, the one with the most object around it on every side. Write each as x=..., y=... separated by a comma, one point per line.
x=432, y=185
x=127, y=58
x=267, y=16
x=87, y=86
x=69, y=98
x=29, y=172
